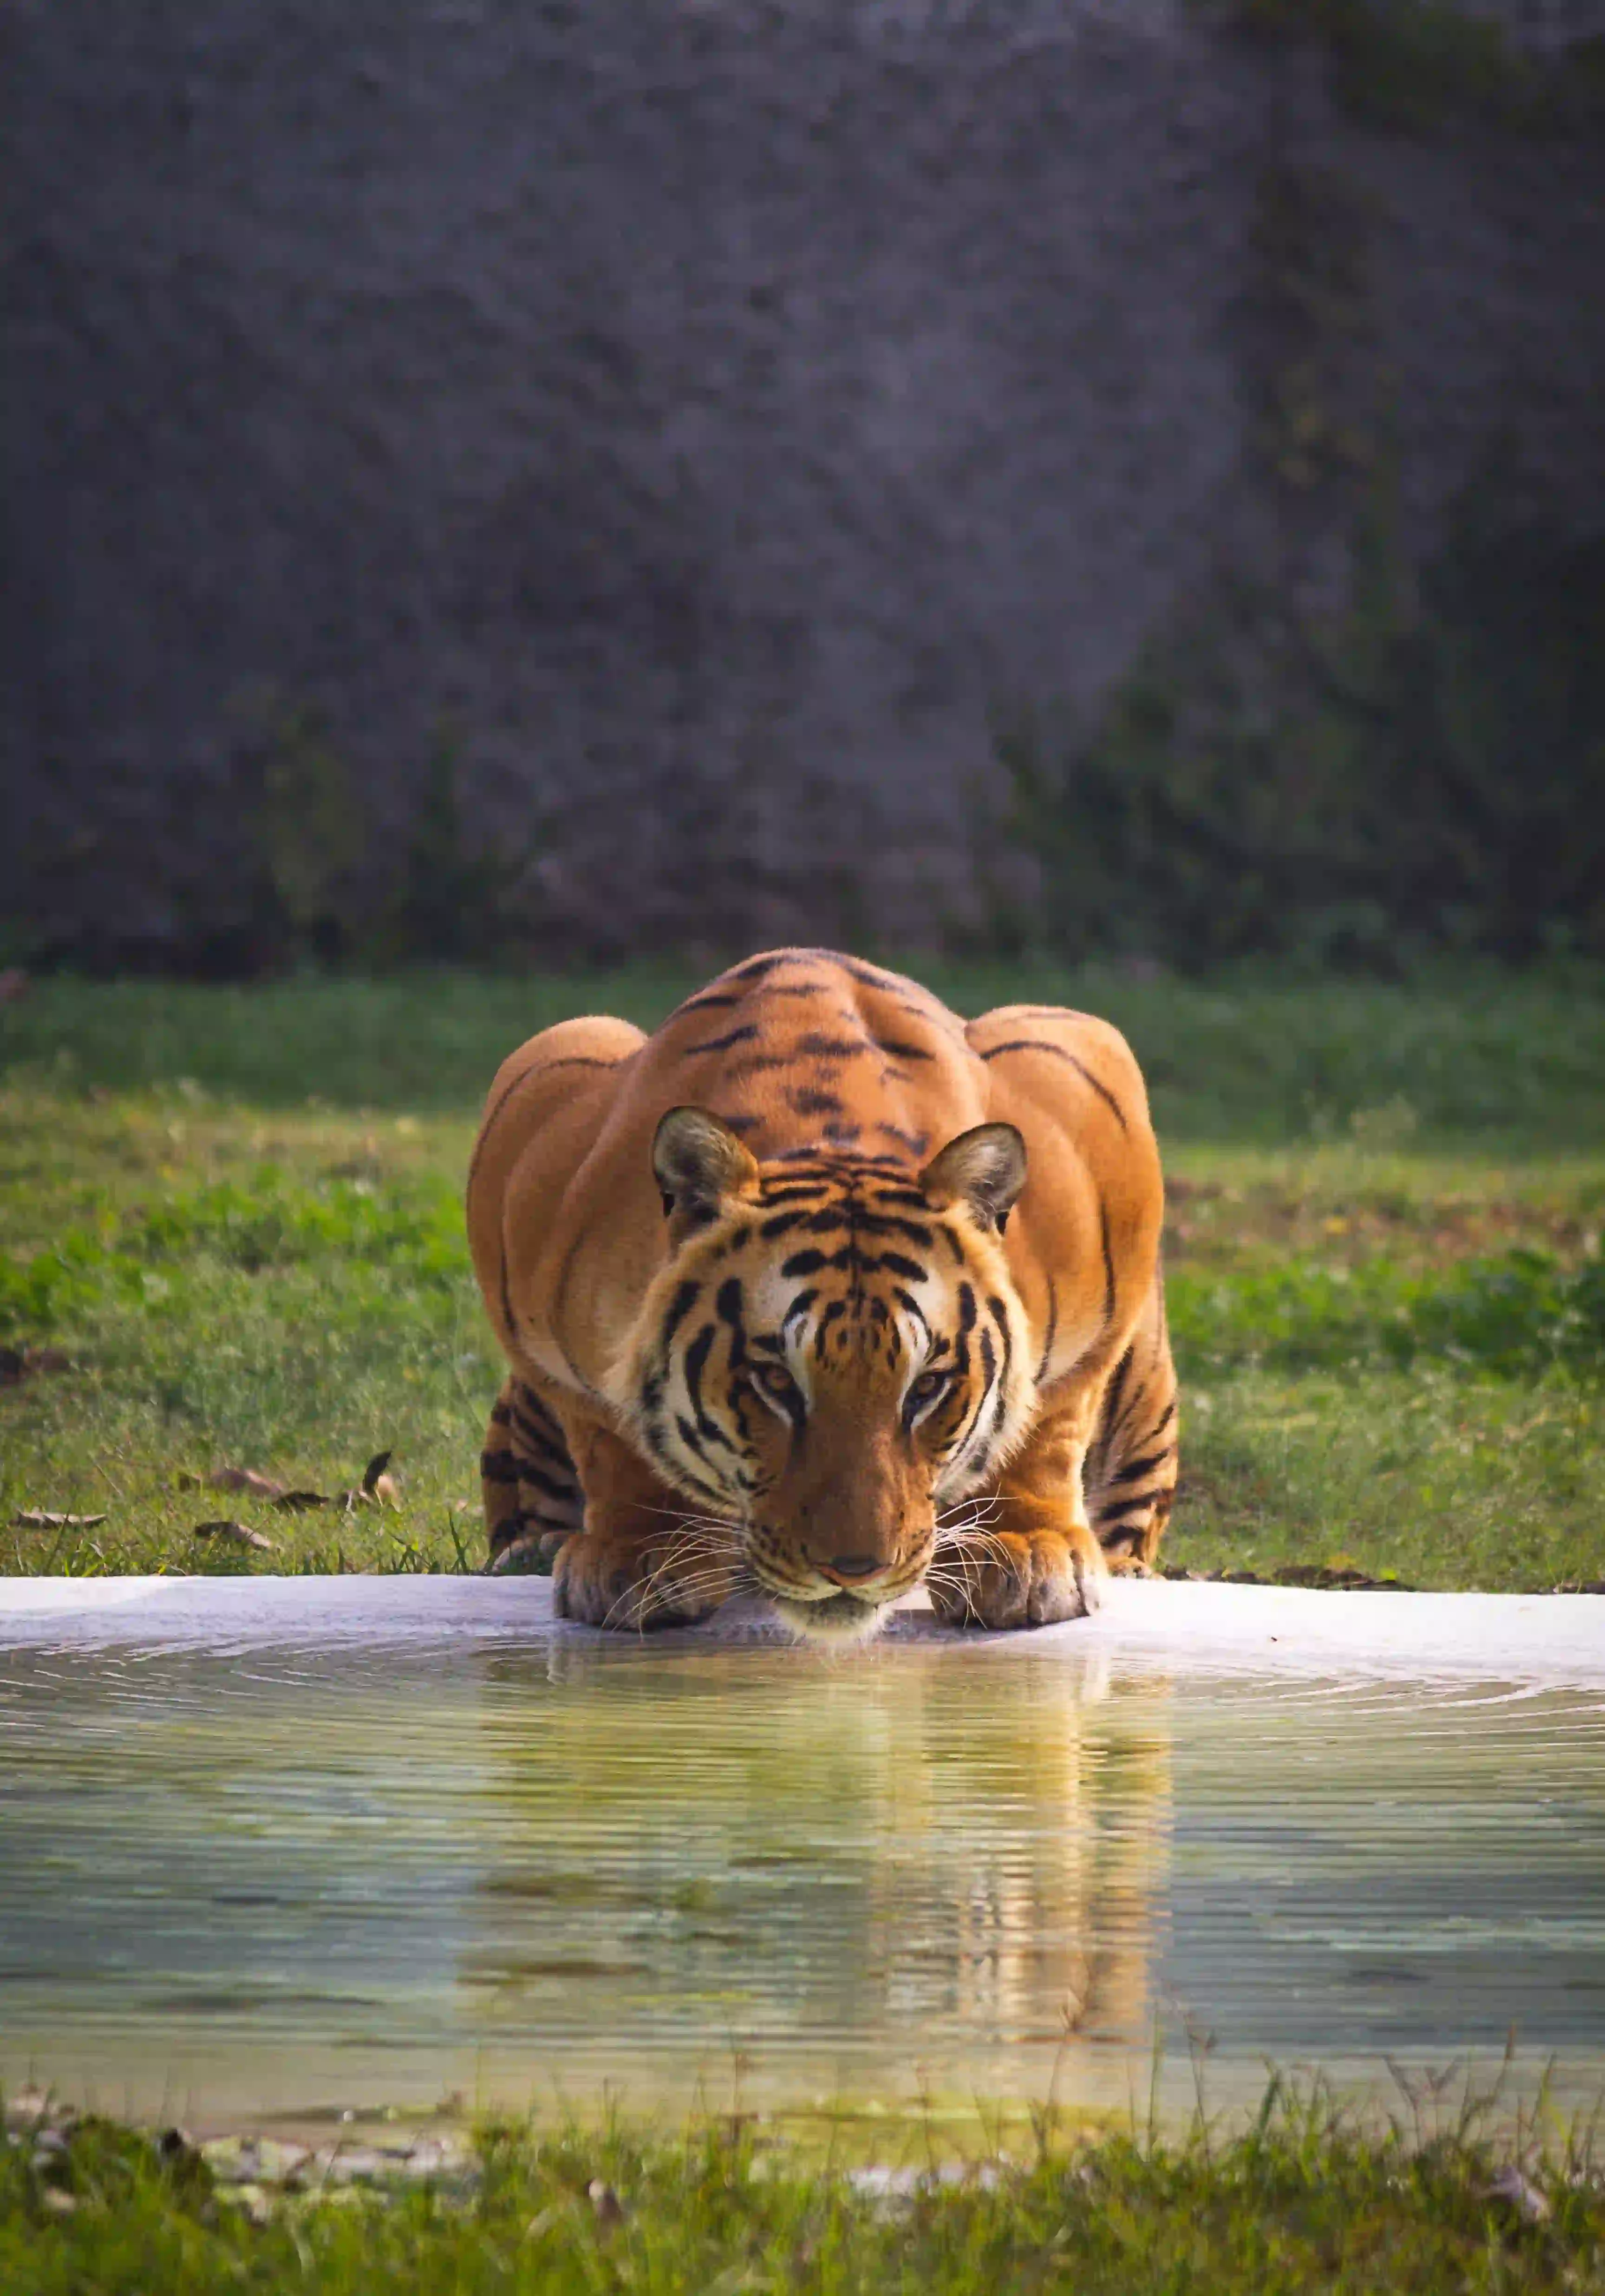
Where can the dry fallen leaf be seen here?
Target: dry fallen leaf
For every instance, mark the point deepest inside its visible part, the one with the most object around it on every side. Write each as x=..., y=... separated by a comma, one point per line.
x=237, y=1534
x=235, y=1479
x=377, y=1489
x=35, y=1519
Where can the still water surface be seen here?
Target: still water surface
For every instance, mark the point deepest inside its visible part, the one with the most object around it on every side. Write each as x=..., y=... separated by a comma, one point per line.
x=286, y=1881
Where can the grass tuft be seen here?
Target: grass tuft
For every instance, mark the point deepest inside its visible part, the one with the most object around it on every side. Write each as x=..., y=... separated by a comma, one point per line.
x=1310, y=2196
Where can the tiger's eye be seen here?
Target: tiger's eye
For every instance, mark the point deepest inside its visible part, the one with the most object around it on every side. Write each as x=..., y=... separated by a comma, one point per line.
x=929, y=1383
x=776, y=1378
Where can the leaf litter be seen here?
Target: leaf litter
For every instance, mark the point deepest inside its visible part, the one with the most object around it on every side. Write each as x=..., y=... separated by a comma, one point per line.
x=378, y=1488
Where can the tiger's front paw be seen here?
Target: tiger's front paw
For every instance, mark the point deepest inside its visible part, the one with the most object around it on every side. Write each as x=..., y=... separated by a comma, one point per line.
x=617, y=1582
x=1032, y=1579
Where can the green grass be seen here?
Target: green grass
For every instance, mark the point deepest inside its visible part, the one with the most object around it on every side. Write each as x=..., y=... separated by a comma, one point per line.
x=1463, y=1055
x=1305, y=2199
x=236, y=1214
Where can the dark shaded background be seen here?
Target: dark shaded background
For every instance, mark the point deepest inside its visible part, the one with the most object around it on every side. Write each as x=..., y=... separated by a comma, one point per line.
x=574, y=479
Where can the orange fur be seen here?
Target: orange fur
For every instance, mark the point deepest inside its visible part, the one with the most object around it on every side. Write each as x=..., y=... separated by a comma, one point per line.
x=774, y=1315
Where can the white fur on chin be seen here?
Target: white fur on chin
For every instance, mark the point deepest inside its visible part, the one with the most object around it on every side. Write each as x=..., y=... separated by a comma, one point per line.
x=830, y=1622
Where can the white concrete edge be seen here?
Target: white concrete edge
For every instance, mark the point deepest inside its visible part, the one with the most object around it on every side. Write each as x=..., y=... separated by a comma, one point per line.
x=1521, y=1638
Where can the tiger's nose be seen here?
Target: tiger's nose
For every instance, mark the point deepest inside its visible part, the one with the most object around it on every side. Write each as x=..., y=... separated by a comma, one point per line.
x=841, y=1566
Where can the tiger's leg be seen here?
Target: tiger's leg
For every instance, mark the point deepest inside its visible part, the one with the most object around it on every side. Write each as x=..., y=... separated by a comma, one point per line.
x=1132, y=1465
x=1033, y=1559
x=532, y=1496
x=644, y=1560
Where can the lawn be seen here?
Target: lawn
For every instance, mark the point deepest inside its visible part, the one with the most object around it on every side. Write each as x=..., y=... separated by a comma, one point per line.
x=1308, y=2200
x=230, y=1238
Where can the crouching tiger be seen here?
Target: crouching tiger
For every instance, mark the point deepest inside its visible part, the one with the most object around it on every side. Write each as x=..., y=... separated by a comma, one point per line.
x=821, y=1292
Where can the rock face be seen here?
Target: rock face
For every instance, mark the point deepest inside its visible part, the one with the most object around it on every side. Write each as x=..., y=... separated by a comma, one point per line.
x=700, y=416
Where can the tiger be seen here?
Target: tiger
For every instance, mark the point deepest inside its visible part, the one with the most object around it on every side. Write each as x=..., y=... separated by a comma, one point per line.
x=821, y=1292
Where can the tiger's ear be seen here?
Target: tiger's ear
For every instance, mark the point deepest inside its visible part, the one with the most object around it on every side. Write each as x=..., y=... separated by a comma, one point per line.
x=699, y=1164
x=984, y=1168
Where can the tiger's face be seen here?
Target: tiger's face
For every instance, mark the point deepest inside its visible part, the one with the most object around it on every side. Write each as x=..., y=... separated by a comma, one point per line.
x=832, y=1358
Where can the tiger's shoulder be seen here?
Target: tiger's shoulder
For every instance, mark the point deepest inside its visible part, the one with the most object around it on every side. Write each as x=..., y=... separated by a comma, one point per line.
x=1047, y=1050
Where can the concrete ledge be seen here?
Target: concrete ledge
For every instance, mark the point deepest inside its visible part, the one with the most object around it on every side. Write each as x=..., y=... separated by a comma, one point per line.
x=1540, y=1639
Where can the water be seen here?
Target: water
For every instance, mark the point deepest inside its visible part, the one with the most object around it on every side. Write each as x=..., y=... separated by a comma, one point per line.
x=286, y=1880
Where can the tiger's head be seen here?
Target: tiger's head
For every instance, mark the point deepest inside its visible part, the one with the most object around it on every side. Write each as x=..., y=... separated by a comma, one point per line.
x=833, y=1356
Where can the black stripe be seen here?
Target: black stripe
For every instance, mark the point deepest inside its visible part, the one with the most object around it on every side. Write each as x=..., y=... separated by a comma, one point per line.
x=1144, y=1466
x=809, y=1102
x=491, y=1115
x=549, y=1484
x=1109, y=1266
x=741, y=1035
x=804, y=1263
x=498, y=1467
x=1130, y=1510
x=890, y=1224
x=696, y=1361
x=871, y=975
x=679, y=1308
x=995, y=1308
x=989, y=1355
x=728, y=1304
x=782, y=1224
x=705, y=1001
x=897, y=1049
x=1047, y=1345
x=817, y=1045
x=1115, y=1389
x=897, y=1263
x=688, y=1435
x=537, y=1439
x=1040, y=1044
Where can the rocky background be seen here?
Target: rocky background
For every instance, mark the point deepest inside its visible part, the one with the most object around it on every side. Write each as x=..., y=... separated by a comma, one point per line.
x=570, y=477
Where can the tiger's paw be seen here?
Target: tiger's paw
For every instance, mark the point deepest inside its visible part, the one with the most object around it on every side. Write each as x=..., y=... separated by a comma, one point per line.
x=615, y=1582
x=1034, y=1578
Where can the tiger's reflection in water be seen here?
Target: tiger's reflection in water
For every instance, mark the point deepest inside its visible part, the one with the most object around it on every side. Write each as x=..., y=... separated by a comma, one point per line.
x=925, y=1861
